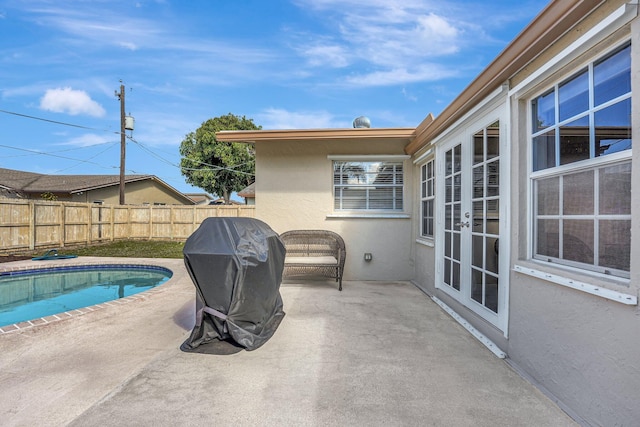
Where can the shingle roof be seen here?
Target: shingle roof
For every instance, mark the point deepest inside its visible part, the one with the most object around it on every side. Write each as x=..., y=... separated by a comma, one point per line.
x=35, y=182
x=249, y=191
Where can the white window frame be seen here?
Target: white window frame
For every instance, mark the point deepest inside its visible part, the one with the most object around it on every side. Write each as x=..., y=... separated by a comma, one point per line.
x=427, y=181
x=592, y=163
x=371, y=213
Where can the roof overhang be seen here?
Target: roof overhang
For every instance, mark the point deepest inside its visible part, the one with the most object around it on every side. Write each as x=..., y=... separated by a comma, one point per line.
x=550, y=24
x=254, y=136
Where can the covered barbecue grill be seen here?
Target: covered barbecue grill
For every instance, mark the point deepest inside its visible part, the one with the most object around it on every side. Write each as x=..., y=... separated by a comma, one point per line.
x=236, y=266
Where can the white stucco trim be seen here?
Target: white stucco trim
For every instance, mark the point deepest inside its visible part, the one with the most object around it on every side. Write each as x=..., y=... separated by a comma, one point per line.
x=473, y=331
x=371, y=215
x=580, y=286
x=426, y=241
x=368, y=157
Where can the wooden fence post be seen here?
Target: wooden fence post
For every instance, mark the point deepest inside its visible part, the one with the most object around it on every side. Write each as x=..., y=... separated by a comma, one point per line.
x=32, y=226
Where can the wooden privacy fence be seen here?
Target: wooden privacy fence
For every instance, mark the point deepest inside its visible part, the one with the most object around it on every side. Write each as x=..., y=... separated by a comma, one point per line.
x=37, y=224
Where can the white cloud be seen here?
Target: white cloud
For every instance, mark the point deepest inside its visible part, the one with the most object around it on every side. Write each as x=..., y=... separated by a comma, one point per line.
x=396, y=38
x=277, y=118
x=424, y=73
x=70, y=101
x=332, y=55
x=90, y=139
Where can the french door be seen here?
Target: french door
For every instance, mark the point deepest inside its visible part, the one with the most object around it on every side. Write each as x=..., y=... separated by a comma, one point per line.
x=468, y=242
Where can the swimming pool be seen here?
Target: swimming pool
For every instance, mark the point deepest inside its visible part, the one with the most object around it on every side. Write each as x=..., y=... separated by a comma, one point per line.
x=32, y=294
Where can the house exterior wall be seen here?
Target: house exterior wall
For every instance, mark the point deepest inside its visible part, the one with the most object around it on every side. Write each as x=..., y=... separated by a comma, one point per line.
x=136, y=193
x=576, y=345
x=580, y=347
x=294, y=190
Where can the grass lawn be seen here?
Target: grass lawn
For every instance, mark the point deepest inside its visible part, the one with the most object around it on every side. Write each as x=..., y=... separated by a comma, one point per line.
x=129, y=249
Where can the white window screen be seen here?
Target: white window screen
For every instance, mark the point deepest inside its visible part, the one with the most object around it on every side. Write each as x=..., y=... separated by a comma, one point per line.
x=368, y=186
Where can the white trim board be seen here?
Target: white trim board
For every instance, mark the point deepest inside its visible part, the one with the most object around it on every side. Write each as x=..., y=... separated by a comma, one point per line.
x=580, y=286
x=473, y=331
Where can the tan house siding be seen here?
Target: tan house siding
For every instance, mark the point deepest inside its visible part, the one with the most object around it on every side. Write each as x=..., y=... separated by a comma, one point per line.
x=136, y=193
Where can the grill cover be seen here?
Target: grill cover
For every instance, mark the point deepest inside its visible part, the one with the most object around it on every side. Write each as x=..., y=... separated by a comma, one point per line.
x=236, y=266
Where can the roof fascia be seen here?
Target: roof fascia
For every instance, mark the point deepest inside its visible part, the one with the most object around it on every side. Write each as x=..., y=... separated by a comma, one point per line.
x=253, y=136
x=550, y=24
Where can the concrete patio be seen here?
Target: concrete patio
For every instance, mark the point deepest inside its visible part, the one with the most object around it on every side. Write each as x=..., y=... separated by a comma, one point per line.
x=375, y=354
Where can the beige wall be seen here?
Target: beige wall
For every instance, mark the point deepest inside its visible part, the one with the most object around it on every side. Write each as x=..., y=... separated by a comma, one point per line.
x=294, y=190
x=136, y=193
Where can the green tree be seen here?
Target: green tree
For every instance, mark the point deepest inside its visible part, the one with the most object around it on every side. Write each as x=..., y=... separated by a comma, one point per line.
x=218, y=167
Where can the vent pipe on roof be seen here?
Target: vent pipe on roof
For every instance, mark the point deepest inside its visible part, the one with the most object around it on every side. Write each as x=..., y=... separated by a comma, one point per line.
x=361, y=122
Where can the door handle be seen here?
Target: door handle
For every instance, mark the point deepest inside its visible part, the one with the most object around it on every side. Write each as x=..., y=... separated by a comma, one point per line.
x=462, y=224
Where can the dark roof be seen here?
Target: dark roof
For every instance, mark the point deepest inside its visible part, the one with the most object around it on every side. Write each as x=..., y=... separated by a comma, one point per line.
x=29, y=182
x=35, y=182
x=249, y=191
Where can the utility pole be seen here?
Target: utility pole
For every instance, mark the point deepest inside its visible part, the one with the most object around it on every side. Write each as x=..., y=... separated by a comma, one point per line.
x=123, y=142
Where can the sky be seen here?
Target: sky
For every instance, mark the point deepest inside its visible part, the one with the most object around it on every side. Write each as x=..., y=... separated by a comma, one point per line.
x=286, y=64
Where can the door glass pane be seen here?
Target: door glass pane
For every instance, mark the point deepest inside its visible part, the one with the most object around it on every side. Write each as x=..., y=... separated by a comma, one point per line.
x=577, y=193
x=447, y=244
x=573, y=96
x=447, y=272
x=478, y=216
x=615, y=189
x=613, y=128
x=448, y=184
x=493, y=140
x=455, y=281
x=615, y=244
x=477, y=291
x=478, y=147
x=491, y=292
x=476, y=251
x=478, y=181
x=491, y=254
x=457, y=158
x=577, y=240
x=574, y=141
x=493, y=178
x=456, y=246
x=457, y=188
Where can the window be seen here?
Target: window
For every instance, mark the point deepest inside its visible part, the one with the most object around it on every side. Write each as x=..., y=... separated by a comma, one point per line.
x=581, y=168
x=427, y=196
x=368, y=185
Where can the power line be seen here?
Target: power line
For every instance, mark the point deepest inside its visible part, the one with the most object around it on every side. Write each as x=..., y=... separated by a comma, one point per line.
x=54, y=155
x=57, y=122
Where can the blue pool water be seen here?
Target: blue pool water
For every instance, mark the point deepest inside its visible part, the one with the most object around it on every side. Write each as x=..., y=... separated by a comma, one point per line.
x=32, y=294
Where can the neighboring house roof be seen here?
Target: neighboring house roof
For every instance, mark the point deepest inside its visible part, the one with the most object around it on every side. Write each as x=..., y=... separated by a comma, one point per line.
x=30, y=182
x=200, y=198
x=249, y=191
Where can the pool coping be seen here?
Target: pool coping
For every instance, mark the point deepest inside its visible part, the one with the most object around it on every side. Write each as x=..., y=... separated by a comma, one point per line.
x=82, y=262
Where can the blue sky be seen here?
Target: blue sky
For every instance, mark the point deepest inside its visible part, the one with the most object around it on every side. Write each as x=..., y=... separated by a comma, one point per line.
x=287, y=64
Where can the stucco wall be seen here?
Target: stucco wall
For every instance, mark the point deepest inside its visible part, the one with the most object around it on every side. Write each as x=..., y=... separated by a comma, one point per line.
x=581, y=348
x=294, y=190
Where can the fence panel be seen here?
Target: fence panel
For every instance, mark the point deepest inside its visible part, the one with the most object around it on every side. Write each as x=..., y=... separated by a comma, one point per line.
x=33, y=224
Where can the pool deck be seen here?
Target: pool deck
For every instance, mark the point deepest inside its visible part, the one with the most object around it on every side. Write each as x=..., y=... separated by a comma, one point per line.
x=378, y=353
